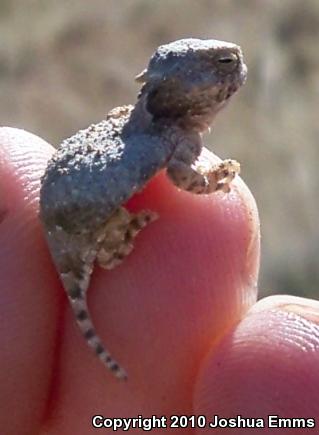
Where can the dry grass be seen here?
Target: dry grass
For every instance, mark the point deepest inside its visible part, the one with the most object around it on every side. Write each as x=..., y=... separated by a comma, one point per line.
x=65, y=63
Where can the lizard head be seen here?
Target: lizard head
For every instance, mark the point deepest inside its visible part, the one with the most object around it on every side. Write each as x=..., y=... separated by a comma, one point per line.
x=190, y=80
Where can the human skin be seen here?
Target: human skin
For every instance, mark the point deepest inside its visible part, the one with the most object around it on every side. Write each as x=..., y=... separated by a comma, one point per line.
x=179, y=314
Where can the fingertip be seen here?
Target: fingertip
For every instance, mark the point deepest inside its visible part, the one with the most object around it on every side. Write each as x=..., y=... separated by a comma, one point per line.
x=258, y=368
x=23, y=157
x=29, y=305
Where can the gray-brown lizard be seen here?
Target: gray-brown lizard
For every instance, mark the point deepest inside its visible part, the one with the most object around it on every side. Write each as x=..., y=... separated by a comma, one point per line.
x=93, y=173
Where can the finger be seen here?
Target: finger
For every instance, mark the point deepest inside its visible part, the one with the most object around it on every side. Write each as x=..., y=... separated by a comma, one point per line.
x=191, y=276
x=268, y=365
x=28, y=309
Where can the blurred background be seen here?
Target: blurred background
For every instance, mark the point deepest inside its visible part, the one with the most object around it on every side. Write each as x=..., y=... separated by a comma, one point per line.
x=64, y=64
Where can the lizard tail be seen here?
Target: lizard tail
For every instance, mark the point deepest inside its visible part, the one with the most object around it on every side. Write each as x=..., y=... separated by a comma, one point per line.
x=74, y=262
x=81, y=312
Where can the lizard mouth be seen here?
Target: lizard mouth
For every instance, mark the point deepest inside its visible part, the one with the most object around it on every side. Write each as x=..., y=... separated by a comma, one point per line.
x=226, y=92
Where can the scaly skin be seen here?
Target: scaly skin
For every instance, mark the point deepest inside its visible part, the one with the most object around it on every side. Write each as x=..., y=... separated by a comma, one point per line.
x=93, y=173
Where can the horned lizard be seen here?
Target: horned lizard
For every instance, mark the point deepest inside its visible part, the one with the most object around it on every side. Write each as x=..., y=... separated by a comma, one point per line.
x=93, y=173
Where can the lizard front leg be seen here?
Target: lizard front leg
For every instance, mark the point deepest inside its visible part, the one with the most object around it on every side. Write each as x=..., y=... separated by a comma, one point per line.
x=204, y=175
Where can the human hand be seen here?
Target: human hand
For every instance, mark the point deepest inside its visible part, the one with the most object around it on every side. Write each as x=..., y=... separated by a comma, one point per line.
x=171, y=314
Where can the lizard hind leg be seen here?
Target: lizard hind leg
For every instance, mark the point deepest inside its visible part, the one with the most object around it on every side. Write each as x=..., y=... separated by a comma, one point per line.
x=118, y=235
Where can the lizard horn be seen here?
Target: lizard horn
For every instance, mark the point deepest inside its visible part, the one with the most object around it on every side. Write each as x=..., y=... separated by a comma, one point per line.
x=142, y=77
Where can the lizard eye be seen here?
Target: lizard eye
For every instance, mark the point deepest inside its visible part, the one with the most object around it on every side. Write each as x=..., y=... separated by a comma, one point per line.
x=226, y=62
